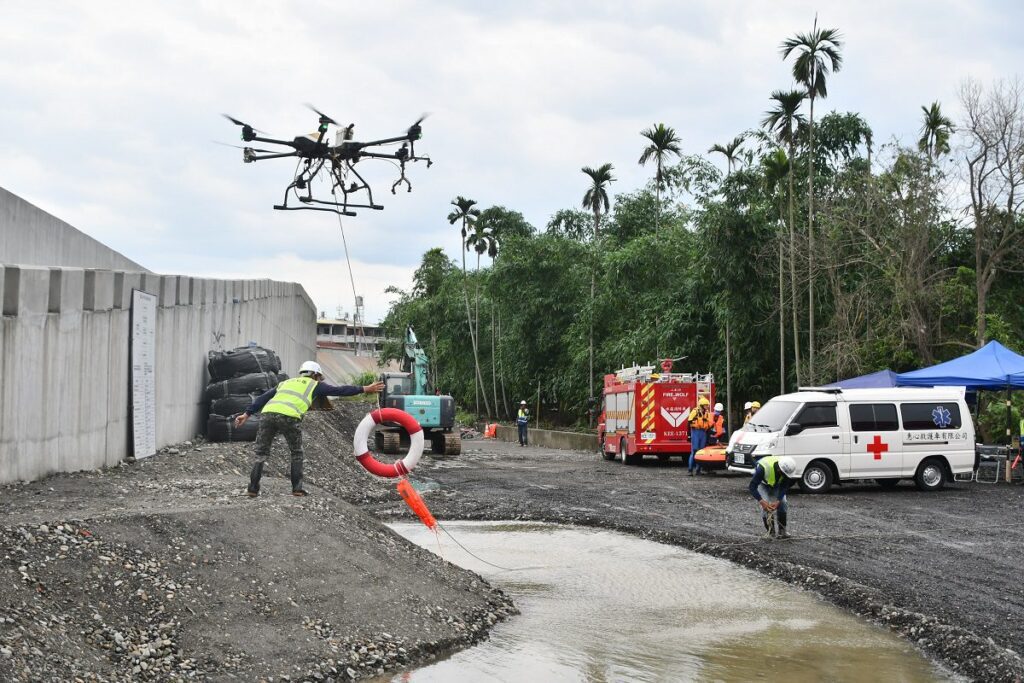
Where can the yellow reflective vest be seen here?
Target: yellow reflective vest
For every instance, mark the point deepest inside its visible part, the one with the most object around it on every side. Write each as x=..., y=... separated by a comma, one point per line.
x=292, y=398
x=767, y=464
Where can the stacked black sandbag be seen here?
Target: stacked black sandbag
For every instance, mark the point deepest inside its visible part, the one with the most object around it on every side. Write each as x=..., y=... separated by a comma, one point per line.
x=236, y=378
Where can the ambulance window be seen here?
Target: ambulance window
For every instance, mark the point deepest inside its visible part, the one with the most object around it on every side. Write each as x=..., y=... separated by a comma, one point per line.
x=929, y=416
x=874, y=417
x=817, y=415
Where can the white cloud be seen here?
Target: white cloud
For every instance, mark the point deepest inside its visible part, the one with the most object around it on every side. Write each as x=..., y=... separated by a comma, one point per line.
x=110, y=108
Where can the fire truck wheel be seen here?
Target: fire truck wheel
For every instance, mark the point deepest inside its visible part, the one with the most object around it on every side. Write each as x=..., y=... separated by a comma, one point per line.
x=626, y=458
x=606, y=454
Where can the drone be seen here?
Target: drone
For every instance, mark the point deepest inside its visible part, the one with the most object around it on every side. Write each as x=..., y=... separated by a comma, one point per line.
x=337, y=162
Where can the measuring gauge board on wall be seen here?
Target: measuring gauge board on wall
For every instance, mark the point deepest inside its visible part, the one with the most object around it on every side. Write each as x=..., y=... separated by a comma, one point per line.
x=142, y=356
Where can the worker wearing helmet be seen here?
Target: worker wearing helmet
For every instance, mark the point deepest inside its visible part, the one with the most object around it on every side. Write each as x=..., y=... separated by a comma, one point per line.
x=522, y=420
x=281, y=411
x=746, y=412
x=700, y=422
x=754, y=407
x=717, y=432
x=773, y=477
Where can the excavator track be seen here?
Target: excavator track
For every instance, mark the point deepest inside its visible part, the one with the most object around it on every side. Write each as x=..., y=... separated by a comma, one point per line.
x=447, y=443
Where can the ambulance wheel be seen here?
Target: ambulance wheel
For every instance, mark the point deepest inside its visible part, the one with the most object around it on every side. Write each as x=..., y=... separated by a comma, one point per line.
x=817, y=478
x=931, y=475
x=887, y=484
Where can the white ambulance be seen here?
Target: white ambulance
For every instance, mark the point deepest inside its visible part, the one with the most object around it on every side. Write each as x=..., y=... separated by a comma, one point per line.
x=883, y=434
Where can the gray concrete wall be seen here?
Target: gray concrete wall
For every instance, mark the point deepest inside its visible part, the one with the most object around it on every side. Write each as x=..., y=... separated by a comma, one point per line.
x=64, y=373
x=30, y=236
x=548, y=438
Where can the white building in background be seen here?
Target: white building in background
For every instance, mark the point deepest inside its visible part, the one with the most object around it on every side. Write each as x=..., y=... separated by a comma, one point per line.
x=346, y=335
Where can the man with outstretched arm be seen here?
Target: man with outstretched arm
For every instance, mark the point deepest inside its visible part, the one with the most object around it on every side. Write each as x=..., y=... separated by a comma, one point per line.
x=773, y=477
x=281, y=411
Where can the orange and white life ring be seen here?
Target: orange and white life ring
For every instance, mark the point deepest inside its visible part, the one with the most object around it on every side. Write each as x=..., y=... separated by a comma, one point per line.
x=399, y=467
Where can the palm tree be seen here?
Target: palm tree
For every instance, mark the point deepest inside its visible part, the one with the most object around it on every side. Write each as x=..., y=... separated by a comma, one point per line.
x=936, y=130
x=782, y=122
x=817, y=54
x=596, y=199
x=776, y=169
x=731, y=151
x=482, y=239
x=664, y=143
x=465, y=214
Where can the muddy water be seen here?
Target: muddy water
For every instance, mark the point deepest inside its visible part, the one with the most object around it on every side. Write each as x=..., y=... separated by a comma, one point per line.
x=603, y=606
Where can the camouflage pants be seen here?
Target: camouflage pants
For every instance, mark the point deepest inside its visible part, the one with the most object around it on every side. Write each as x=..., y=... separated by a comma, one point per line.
x=272, y=424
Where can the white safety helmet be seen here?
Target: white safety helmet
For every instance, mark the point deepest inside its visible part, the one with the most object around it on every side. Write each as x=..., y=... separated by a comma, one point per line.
x=522, y=403
x=310, y=367
x=719, y=407
x=746, y=406
x=787, y=466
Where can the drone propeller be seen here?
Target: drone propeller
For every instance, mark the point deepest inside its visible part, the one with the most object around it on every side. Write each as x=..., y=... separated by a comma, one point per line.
x=325, y=120
x=248, y=132
x=416, y=130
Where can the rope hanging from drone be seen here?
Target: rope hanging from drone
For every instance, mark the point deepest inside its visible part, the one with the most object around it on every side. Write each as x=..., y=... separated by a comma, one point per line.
x=314, y=154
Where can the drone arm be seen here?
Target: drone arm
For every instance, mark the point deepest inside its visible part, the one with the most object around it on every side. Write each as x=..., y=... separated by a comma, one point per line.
x=385, y=141
x=286, y=143
x=259, y=157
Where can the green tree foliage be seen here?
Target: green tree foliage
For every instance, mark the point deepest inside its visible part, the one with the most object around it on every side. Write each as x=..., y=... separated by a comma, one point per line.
x=699, y=260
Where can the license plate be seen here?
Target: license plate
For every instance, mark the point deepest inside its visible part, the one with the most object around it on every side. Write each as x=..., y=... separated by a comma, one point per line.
x=739, y=459
x=648, y=436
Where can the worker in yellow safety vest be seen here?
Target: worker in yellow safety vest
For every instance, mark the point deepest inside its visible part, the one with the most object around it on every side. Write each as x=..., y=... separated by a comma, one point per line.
x=773, y=477
x=281, y=411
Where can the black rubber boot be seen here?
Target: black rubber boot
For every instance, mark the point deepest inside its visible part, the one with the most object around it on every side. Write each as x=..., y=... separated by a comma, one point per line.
x=254, y=480
x=781, y=522
x=297, y=479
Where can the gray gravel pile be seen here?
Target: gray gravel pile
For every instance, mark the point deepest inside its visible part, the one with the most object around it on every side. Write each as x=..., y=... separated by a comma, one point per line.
x=163, y=570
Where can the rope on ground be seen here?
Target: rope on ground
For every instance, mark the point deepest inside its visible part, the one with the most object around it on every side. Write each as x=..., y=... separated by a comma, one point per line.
x=872, y=534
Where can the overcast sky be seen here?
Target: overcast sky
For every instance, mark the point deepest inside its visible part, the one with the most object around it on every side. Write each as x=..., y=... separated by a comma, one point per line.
x=110, y=110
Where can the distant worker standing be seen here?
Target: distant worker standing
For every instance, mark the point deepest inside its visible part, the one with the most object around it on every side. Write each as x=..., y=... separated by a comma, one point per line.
x=717, y=431
x=700, y=422
x=773, y=477
x=754, y=407
x=522, y=420
x=746, y=412
x=281, y=411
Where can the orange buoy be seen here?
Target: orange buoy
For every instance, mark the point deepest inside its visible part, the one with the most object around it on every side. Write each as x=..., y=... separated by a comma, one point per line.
x=415, y=503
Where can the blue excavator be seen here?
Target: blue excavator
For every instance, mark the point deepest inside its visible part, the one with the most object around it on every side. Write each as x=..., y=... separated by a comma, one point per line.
x=410, y=390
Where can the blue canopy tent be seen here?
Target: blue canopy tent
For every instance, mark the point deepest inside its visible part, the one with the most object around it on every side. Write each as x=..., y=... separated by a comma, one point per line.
x=875, y=380
x=992, y=367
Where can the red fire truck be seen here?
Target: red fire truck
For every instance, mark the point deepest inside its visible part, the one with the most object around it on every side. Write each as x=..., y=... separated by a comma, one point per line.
x=646, y=412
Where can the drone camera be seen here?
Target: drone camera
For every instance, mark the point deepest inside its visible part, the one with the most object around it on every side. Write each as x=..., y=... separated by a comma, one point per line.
x=248, y=134
x=247, y=155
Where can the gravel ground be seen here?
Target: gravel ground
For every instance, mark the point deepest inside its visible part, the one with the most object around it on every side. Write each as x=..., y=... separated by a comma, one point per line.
x=163, y=570
x=937, y=568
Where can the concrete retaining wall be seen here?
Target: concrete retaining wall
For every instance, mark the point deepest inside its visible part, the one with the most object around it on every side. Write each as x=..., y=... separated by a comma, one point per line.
x=64, y=373
x=571, y=441
x=30, y=236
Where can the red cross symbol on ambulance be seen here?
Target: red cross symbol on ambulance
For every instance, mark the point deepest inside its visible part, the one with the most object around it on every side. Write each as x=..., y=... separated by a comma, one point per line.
x=877, y=447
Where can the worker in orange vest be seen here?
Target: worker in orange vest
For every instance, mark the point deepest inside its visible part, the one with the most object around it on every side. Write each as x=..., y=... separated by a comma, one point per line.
x=700, y=422
x=717, y=425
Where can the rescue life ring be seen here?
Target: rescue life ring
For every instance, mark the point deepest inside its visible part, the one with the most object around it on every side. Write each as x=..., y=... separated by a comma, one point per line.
x=399, y=467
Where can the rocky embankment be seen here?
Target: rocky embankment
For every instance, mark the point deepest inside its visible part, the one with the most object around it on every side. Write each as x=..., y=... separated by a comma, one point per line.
x=163, y=570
